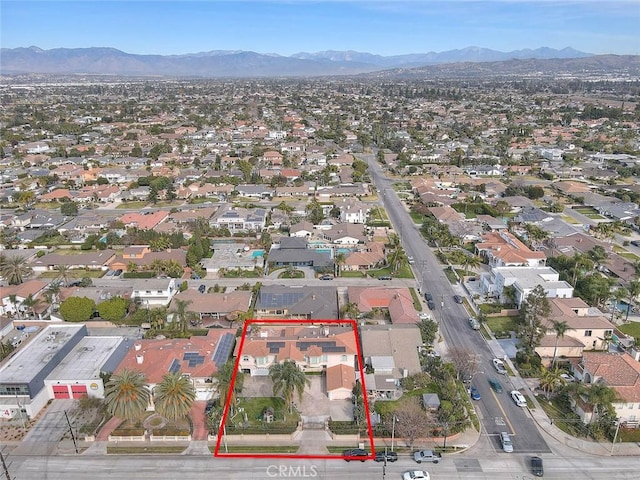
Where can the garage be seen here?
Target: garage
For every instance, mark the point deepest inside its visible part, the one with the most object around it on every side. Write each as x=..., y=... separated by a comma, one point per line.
x=61, y=391
x=78, y=391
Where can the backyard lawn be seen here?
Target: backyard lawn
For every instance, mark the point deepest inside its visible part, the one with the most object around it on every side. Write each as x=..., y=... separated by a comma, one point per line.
x=501, y=324
x=254, y=408
x=633, y=329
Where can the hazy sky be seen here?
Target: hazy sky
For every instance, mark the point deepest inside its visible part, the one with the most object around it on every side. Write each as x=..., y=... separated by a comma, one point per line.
x=289, y=26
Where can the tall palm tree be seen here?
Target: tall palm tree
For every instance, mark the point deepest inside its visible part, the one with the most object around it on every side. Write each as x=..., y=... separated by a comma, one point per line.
x=581, y=261
x=174, y=396
x=288, y=378
x=64, y=274
x=223, y=378
x=13, y=269
x=127, y=395
x=597, y=254
x=470, y=262
x=341, y=258
x=560, y=327
x=600, y=397
x=350, y=311
x=13, y=298
x=182, y=313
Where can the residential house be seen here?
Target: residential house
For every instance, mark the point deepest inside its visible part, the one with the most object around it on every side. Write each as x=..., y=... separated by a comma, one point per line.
x=524, y=280
x=365, y=257
x=143, y=258
x=301, y=229
x=301, y=302
x=93, y=260
x=144, y=221
x=588, y=329
x=13, y=296
x=314, y=348
x=397, y=301
x=153, y=291
x=346, y=234
x=215, y=306
x=353, y=211
x=295, y=251
x=237, y=219
x=502, y=249
x=198, y=357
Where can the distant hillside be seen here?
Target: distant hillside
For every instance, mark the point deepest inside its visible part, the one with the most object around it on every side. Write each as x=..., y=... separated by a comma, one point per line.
x=221, y=63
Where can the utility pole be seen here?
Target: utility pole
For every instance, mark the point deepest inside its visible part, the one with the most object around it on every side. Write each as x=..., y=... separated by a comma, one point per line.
x=73, y=437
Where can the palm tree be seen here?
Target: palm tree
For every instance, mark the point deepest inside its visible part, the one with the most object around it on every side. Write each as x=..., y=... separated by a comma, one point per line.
x=223, y=378
x=174, y=396
x=13, y=298
x=132, y=267
x=551, y=380
x=182, y=314
x=600, y=397
x=288, y=378
x=127, y=395
x=560, y=327
x=350, y=311
x=64, y=274
x=340, y=259
x=54, y=290
x=581, y=261
x=471, y=262
x=597, y=254
x=31, y=303
x=13, y=269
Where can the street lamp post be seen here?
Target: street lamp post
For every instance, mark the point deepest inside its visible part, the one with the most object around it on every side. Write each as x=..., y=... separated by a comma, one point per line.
x=615, y=436
x=393, y=432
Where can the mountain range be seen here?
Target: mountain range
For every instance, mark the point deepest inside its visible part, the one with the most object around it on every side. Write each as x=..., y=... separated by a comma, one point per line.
x=238, y=63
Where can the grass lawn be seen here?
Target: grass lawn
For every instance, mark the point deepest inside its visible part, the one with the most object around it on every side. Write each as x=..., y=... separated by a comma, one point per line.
x=567, y=421
x=417, y=218
x=630, y=256
x=242, y=274
x=570, y=220
x=378, y=214
x=384, y=407
x=501, y=324
x=351, y=274
x=138, y=204
x=150, y=449
x=633, y=329
x=403, y=272
x=294, y=274
x=586, y=210
x=416, y=300
x=450, y=276
x=257, y=449
x=254, y=407
x=400, y=186
x=75, y=274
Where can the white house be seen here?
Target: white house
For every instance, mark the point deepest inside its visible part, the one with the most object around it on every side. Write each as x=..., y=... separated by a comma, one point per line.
x=154, y=291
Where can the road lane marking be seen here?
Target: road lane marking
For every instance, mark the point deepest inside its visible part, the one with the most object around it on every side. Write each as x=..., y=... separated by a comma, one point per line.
x=504, y=414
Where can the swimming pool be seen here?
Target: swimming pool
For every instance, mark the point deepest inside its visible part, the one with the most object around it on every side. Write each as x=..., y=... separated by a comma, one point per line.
x=257, y=253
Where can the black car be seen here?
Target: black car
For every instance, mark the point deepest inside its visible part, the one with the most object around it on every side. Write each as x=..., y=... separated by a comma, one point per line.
x=354, y=453
x=202, y=288
x=384, y=277
x=428, y=297
x=326, y=277
x=390, y=456
x=431, y=305
x=457, y=298
x=536, y=466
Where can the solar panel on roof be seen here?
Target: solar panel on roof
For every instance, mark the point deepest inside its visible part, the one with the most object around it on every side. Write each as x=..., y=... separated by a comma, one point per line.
x=175, y=366
x=223, y=349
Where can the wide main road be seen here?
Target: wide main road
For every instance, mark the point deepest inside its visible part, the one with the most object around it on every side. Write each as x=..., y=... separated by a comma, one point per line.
x=497, y=411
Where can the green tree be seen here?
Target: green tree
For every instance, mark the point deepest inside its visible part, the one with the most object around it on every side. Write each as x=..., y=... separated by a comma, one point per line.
x=182, y=313
x=77, y=309
x=428, y=331
x=127, y=395
x=113, y=309
x=314, y=212
x=351, y=311
x=600, y=397
x=223, y=378
x=340, y=260
x=534, y=310
x=287, y=378
x=31, y=304
x=550, y=380
x=13, y=269
x=64, y=274
x=560, y=328
x=174, y=396
x=470, y=262
x=69, y=208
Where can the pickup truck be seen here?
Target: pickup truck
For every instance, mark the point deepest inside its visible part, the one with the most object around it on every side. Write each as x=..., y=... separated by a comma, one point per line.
x=427, y=456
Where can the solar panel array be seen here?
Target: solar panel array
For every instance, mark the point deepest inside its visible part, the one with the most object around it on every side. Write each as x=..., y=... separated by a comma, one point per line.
x=274, y=347
x=194, y=359
x=223, y=349
x=175, y=366
x=277, y=300
x=329, y=347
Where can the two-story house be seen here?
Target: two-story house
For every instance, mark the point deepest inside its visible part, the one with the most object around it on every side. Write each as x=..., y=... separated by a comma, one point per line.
x=153, y=291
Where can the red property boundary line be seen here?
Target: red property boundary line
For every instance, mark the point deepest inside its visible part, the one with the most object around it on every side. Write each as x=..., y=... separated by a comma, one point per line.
x=354, y=327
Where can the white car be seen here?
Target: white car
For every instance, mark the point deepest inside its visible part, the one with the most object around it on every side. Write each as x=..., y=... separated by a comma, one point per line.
x=499, y=366
x=416, y=475
x=518, y=398
x=505, y=441
x=567, y=378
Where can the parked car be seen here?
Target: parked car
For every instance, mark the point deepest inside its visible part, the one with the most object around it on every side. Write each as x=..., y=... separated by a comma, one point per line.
x=117, y=273
x=635, y=243
x=427, y=456
x=411, y=260
x=457, y=298
x=384, y=277
x=536, y=466
x=475, y=394
x=424, y=316
x=499, y=366
x=354, y=453
x=390, y=456
x=428, y=297
x=518, y=398
x=495, y=385
x=567, y=378
x=202, y=288
x=505, y=441
x=415, y=475
x=431, y=305
x=474, y=323
x=326, y=277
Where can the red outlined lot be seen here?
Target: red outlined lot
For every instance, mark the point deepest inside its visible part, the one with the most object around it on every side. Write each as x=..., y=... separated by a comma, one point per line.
x=218, y=453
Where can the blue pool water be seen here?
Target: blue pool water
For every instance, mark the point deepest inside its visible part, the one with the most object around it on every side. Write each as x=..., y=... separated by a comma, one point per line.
x=257, y=253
